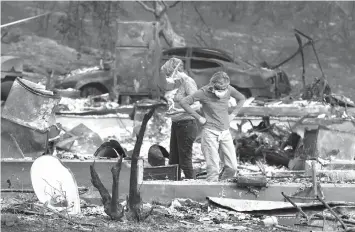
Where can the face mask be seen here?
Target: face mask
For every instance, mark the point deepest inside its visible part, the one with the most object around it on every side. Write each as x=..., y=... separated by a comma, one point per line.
x=220, y=93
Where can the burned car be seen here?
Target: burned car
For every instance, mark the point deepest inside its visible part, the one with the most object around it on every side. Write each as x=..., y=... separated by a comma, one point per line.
x=256, y=81
x=200, y=64
x=90, y=81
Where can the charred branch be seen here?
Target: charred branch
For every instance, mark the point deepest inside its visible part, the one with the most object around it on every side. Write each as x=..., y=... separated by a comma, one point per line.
x=146, y=7
x=166, y=30
x=116, y=208
x=174, y=4
x=134, y=200
x=200, y=39
x=111, y=206
x=95, y=180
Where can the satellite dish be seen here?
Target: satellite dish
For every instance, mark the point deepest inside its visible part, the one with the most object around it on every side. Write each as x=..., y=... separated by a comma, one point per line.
x=55, y=185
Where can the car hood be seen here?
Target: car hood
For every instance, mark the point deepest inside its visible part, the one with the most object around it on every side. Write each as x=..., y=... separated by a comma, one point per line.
x=76, y=77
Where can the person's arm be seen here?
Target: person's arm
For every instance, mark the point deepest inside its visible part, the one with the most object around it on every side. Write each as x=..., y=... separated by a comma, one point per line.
x=191, y=88
x=240, y=102
x=189, y=100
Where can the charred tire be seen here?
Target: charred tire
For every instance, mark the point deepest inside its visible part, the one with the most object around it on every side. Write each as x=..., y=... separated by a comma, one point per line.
x=92, y=90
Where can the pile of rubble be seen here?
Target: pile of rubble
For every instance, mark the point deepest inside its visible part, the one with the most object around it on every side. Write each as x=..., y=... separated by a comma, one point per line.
x=225, y=214
x=185, y=211
x=266, y=141
x=80, y=105
x=276, y=145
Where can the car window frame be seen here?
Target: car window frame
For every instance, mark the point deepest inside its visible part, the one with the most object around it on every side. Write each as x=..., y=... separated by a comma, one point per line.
x=207, y=60
x=221, y=56
x=166, y=58
x=183, y=58
x=167, y=51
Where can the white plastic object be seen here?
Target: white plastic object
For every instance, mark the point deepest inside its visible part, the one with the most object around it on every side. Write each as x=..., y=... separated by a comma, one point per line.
x=55, y=185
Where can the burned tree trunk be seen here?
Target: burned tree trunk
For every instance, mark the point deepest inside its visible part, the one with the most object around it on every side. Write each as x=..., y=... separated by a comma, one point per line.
x=134, y=200
x=168, y=33
x=159, y=10
x=111, y=206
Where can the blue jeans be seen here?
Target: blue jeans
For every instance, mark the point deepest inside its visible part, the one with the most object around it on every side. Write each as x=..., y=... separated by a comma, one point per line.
x=218, y=146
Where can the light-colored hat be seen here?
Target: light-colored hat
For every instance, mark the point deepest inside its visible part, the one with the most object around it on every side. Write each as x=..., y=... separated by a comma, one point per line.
x=168, y=68
x=220, y=80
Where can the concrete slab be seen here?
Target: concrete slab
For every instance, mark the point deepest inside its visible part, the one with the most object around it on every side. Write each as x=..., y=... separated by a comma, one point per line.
x=164, y=191
x=18, y=172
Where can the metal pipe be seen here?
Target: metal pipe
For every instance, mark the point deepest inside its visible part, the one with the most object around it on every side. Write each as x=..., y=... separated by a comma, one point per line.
x=24, y=20
x=291, y=57
x=295, y=205
x=332, y=212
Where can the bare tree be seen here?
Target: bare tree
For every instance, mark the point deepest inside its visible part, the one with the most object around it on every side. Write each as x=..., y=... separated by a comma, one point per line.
x=71, y=25
x=347, y=21
x=205, y=36
x=43, y=22
x=104, y=15
x=159, y=9
x=89, y=23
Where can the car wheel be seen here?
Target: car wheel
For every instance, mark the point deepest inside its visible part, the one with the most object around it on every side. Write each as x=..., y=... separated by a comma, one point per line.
x=92, y=90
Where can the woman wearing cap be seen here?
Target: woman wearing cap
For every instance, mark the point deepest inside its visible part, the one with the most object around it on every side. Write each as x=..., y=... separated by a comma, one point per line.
x=184, y=127
x=215, y=121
